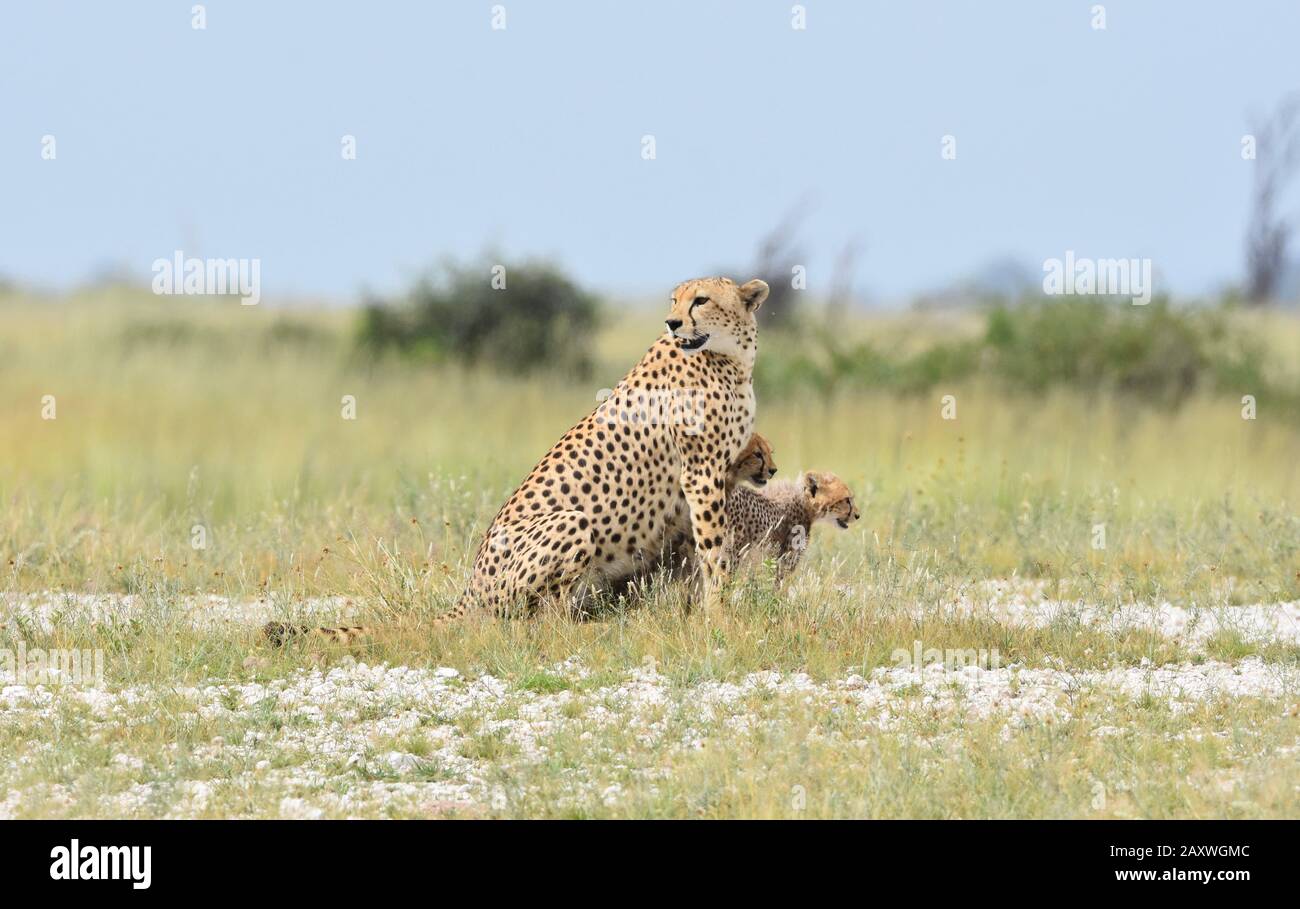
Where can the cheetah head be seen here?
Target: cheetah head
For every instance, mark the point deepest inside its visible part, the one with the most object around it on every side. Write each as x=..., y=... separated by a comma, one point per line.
x=717, y=314
x=830, y=498
x=754, y=464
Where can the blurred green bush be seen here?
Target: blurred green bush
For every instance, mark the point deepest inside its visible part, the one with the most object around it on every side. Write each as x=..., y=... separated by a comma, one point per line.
x=1155, y=352
x=519, y=318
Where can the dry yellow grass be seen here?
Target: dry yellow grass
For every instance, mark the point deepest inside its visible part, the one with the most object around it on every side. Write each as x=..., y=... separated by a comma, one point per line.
x=175, y=417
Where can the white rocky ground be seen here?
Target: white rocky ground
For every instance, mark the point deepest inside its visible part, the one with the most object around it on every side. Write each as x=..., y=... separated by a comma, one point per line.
x=1026, y=603
x=1023, y=603
x=347, y=722
x=361, y=740
x=45, y=610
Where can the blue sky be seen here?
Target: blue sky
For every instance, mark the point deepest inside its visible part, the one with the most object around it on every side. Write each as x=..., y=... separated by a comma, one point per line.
x=225, y=142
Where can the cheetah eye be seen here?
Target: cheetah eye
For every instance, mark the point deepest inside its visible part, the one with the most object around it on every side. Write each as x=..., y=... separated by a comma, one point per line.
x=699, y=301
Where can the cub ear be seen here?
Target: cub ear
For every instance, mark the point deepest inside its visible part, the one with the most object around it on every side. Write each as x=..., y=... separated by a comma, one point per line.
x=810, y=484
x=753, y=293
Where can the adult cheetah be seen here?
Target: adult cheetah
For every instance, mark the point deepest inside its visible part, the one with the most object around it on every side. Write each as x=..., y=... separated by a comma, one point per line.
x=612, y=496
x=754, y=464
x=602, y=503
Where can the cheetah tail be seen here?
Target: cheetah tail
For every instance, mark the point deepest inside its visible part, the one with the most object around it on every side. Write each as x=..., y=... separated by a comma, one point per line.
x=280, y=633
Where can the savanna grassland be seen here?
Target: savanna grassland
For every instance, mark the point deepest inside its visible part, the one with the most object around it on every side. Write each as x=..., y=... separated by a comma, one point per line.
x=1133, y=566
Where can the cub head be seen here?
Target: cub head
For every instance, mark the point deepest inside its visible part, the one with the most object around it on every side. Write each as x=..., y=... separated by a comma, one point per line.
x=830, y=498
x=717, y=314
x=754, y=464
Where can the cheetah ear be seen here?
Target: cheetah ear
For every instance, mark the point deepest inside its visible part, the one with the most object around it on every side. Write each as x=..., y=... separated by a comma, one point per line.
x=810, y=483
x=753, y=293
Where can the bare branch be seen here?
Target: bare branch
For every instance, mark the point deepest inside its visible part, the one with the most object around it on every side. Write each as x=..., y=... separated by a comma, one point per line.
x=1277, y=144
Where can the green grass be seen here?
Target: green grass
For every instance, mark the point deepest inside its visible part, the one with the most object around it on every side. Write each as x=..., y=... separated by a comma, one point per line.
x=176, y=415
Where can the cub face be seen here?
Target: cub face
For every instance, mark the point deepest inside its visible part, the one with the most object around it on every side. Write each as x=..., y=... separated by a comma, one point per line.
x=716, y=314
x=831, y=498
x=754, y=464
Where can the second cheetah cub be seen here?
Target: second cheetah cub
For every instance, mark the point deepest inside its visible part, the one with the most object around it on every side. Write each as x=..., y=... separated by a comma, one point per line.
x=778, y=520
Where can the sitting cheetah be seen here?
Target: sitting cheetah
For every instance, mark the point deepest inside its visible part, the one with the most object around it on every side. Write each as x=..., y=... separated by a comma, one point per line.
x=778, y=520
x=601, y=505
x=753, y=465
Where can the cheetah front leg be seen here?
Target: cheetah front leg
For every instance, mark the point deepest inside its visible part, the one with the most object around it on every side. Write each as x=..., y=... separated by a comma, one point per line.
x=706, y=496
x=792, y=550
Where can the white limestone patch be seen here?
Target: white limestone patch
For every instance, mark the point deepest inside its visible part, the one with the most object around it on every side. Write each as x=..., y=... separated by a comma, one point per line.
x=1014, y=602
x=361, y=740
x=47, y=610
x=1023, y=694
x=1026, y=603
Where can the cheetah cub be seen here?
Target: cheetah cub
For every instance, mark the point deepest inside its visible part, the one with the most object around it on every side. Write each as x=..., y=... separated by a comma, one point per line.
x=778, y=520
x=754, y=464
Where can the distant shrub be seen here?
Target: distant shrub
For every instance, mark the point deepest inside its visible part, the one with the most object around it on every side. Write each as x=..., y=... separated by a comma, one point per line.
x=1154, y=352
x=277, y=333
x=540, y=319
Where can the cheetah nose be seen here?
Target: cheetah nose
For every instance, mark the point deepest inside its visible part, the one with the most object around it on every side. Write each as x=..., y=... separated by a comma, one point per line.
x=771, y=472
x=673, y=324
